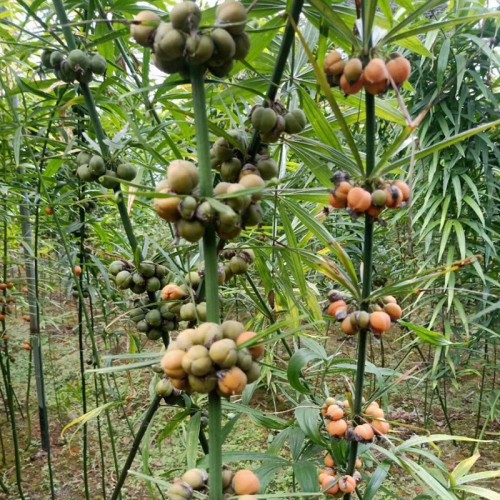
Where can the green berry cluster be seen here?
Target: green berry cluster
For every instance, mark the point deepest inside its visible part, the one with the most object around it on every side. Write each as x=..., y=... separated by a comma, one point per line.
x=272, y=121
x=179, y=43
x=91, y=167
x=76, y=65
x=148, y=277
x=149, y=319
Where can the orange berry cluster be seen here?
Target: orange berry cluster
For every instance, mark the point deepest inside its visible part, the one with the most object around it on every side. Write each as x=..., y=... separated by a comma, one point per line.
x=243, y=483
x=379, y=320
x=361, y=201
x=210, y=358
x=374, y=76
x=334, y=412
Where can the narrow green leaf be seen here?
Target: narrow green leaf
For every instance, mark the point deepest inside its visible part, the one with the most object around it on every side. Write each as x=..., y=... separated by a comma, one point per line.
x=295, y=367
x=306, y=475
x=464, y=466
x=480, y=491
x=307, y=415
x=376, y=480
x=426, y=335
x=442, y=63
x=193, y=432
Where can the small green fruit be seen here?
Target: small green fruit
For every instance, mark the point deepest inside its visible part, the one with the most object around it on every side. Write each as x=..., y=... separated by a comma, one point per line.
x=56, y=58
x=225, y=48
x=147, y=268
x=199, y=48
x=188, y=312
x=126, y=171
x=232, y=16
x=78, y=60
x=144, y=26
x=153, y=284
x=264, y=119
x=83, y=158
x=115, y=267
x=230, y=170
x=46, y=59
x=123, y=280
x=84, y=173
x=97, y=166
x=111, y=182
x=191, y=231
x=153, y=318
x=164, y=388
x=98, y=64
x=187, y=207
x=185, y=16
x=295, y=121
x=267, y=168
x=242, y=43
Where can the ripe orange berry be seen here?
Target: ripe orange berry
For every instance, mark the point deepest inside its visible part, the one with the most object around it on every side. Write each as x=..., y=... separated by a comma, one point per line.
x=394, y=311
x=375, y=72
x=330, y=485
x=347, y=484
x=258, y=351
x=338, y=200
x=49, y=210
x=172, y=292
x=245, y=482
x=3, y=317
x=336, y=428
x=347, y=326
x=336, y=306
x=232, y=381
x=404, y=188
x=181, y=384
x=364, y=432
x=3, y=286
x=359, y=463
x=334, y=412
x=358, y=199
x=380, y=322
x=329, y=462
x=374, y=211
x=78, y=270
x=399, y=69
x=27, y=346
x=373, y=410
x=26, y=318
x=351, y=88
x=328, y=402
x=333, y=62
x=394, y=197
x=171, y=363
x=381, y=426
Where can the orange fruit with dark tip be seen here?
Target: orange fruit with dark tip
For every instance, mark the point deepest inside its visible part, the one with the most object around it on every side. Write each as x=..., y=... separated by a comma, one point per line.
x=404, y=188
x=3, y=317
x=394, y=311
x=347, y=326
x=374, y=211
x=3, y=286
x=334, y=412
x=380, y=322
x=351, y=88
x=232, y=381
x=394, y=197
x=347, y=484
x=399, y=69
x=49, y=210
x=364, y=432
x=78, y=270
x=353, y=70
x=336, y=306
x=336, y=428
x=359, y=200
x=171, y=364
x=27, y=346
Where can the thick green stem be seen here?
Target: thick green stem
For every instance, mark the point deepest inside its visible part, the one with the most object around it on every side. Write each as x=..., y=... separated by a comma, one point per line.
x=367, y=282
x=279, y=67
x=211, y=275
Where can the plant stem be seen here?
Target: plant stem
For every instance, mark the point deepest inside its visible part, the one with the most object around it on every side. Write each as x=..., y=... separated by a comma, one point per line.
x=211, y=274
x=367, y=282
x=135, y=446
